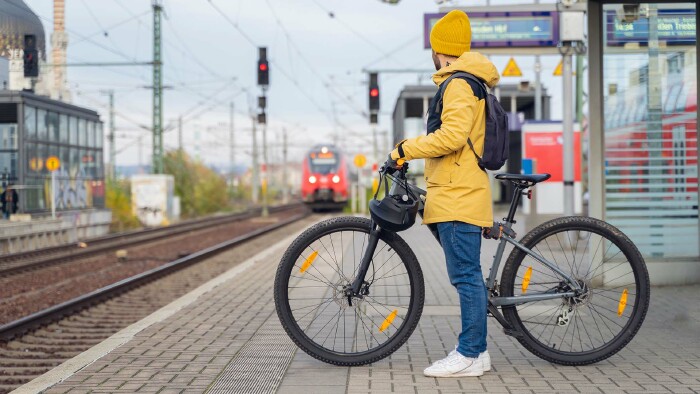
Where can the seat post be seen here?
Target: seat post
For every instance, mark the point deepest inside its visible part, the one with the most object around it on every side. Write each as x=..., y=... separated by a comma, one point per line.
x=514, y=203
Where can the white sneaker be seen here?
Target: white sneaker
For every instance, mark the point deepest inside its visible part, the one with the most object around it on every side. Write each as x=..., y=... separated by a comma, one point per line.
x=455, y=365
x=484, y=357
x=485, y=360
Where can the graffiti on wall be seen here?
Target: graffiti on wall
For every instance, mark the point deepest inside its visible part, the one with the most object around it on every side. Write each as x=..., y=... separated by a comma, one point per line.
x=71, y=193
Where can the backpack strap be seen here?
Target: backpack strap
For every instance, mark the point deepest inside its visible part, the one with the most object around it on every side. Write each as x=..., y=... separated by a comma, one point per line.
x=481, y=93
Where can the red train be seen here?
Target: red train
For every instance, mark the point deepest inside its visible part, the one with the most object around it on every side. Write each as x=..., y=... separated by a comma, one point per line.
x=325, y=180
x=633, y=151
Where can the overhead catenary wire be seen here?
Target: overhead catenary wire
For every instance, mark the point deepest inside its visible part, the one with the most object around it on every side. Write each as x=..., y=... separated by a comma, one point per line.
x=349, y=27
x=328, y=85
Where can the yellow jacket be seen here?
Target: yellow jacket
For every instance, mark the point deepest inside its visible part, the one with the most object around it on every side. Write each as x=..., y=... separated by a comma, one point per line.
x=458, y=190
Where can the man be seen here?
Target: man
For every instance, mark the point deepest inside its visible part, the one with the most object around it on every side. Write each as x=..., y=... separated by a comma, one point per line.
x=459, y=195
x=9, y=200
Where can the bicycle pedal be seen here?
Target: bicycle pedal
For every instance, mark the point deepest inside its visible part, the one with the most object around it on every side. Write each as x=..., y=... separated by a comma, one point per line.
x=512, y=333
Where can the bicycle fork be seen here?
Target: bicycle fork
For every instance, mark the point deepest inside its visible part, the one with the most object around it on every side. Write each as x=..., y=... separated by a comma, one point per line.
x=356, y=286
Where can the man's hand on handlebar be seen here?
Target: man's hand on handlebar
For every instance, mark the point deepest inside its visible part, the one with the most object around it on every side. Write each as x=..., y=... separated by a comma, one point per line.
x=390, y=165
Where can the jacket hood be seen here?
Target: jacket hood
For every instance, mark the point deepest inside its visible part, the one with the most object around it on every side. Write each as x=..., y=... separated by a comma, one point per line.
x=474, y=63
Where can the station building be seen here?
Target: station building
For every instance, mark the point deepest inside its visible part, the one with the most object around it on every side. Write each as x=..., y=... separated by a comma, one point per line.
x=37, y=122
x=34, y=128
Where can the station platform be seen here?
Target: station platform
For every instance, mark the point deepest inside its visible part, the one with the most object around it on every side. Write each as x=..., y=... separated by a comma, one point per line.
x=28, y=232
x=224, y=337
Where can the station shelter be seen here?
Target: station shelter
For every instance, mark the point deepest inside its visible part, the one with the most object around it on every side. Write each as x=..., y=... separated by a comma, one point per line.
x=643, y=129
x=34, y=128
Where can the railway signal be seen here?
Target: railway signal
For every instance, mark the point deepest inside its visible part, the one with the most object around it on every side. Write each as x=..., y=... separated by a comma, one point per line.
x=31, y=56
x=373, y=97
x=263, y=67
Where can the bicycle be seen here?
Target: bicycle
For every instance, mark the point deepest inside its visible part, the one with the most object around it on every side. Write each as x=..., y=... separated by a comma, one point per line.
x=349, y=293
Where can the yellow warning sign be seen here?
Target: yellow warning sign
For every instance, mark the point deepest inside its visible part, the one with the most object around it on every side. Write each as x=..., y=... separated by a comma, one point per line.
x=512, y=69
x=558, y=71
x=52, y=163
x=360, y=160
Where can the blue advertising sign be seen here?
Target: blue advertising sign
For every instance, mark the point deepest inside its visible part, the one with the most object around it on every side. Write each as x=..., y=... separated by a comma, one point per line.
x=506, y=29
x=675, y=27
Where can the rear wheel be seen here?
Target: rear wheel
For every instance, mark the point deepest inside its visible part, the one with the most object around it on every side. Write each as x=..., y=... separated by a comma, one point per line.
x=312, y=301
x=604, y=317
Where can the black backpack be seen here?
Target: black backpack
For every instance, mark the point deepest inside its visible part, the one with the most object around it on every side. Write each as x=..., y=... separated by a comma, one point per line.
x=496, y=135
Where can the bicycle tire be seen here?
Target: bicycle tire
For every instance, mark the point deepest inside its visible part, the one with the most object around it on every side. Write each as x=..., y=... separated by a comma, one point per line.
x=297, y=334
x=641, y=299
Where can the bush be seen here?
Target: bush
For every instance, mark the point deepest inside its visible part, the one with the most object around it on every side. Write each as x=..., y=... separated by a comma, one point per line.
x=202, y=191
x=118, y=199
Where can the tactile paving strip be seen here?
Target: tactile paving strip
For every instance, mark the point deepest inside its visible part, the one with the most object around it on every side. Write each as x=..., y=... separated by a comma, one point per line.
x=260, y=365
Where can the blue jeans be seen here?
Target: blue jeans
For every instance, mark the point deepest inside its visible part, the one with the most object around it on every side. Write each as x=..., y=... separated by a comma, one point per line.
x=461, y=243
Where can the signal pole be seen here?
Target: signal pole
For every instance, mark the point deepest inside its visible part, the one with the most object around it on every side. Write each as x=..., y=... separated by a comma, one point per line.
x=285, y=184
x=112, y=129
x=231, y=152
x=157, y=92
x=266, y=170
x=256, y=175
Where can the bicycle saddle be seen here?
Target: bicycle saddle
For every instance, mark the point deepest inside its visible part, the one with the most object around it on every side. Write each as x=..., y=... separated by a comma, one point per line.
x=530, y=179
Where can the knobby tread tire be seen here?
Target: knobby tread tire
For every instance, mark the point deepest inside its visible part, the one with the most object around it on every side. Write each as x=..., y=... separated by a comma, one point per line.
x=297, y=335
x=638, y=266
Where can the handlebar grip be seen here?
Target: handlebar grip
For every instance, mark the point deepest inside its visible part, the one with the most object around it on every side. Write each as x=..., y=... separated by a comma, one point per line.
x=400, y=161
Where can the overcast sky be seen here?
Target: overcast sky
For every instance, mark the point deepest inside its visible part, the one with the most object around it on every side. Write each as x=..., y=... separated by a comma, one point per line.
x=318, y=50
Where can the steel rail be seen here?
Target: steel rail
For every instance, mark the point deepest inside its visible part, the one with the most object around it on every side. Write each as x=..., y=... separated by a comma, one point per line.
x=12, y=263
x=21, y=326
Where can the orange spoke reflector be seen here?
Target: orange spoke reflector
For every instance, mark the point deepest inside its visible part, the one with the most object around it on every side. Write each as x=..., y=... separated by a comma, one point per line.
x=526, y=279
x=388, y=320
x=308, y=262
x=623, y=303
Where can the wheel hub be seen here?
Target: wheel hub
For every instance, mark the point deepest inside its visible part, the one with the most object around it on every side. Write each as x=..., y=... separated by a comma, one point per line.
x=344, y=297
x=582, y=297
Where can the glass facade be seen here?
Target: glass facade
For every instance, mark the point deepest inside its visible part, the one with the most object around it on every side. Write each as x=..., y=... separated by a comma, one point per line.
x=650, y=127
x=8, y=152
x=74, y=140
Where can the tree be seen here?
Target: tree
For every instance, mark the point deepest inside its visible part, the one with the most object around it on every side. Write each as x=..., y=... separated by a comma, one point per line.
x=202, y=191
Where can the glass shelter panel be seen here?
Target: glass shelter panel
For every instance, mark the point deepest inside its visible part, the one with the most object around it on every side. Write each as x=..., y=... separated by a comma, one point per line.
x=82, y=132
x=42, y=124
x=650, y=128
x=64, y=135
x=30, y=121
x=73, y=130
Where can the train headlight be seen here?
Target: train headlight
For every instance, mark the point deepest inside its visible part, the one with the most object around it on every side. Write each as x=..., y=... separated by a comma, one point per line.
x=312, y=179
x=336, y=179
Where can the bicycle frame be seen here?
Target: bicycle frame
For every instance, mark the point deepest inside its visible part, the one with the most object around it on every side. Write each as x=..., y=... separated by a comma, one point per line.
x=494, y=300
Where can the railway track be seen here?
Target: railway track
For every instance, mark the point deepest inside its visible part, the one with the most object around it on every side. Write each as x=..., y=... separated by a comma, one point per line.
x=19, y=262
x=35, y=344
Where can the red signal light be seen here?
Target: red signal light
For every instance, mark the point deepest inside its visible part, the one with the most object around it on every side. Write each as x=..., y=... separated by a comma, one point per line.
x=374, y=92
x=263, y=67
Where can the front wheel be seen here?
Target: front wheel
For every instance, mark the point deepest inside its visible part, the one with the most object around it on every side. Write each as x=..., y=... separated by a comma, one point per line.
x=603, y=317
x=312, y=293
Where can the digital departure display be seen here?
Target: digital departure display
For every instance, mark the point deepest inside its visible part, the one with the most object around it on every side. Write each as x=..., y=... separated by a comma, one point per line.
x=506, y=29
x=674, y=27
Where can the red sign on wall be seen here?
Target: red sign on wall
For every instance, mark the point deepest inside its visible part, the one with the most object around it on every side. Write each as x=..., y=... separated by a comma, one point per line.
x=545, y=146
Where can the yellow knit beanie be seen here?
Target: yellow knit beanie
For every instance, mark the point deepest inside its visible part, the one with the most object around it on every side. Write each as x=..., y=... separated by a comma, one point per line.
x=452, y=34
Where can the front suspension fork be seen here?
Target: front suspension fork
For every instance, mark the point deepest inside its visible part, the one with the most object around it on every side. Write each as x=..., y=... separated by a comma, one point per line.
x=366, y=258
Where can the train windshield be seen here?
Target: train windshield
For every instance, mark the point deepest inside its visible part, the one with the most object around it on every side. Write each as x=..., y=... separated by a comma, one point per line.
x=323, y=162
